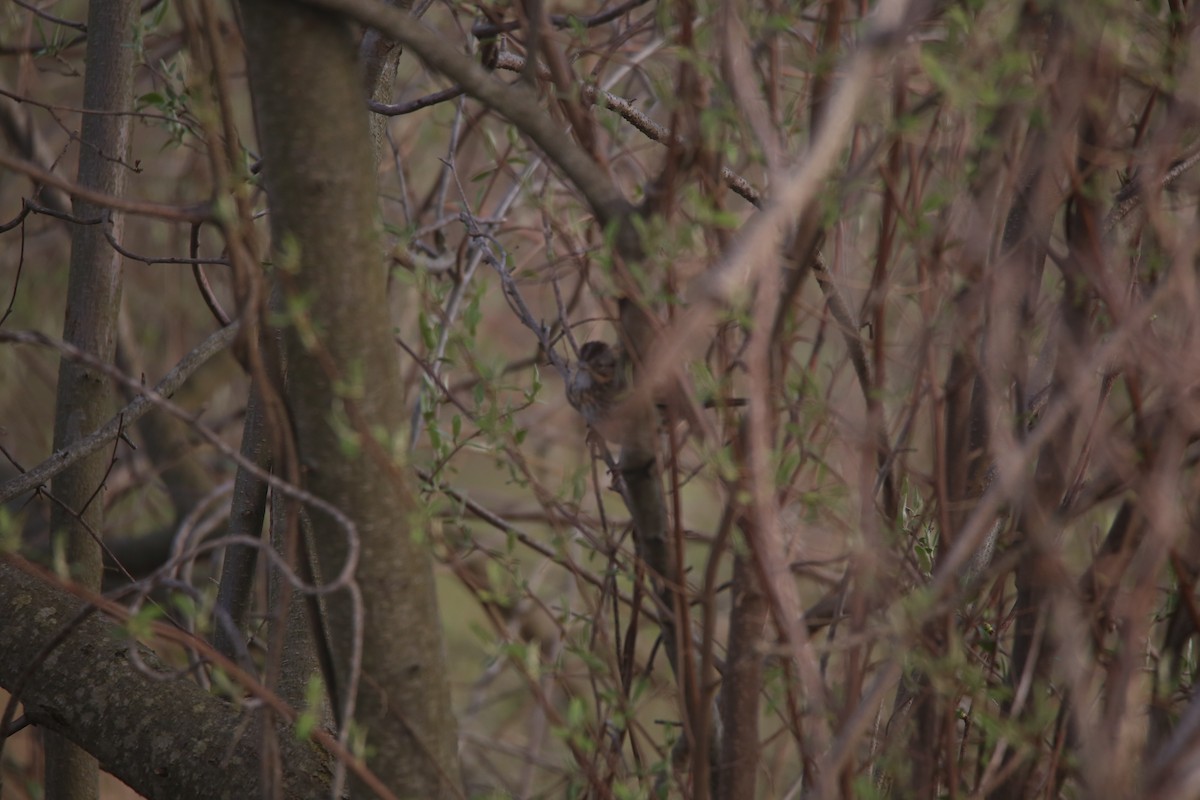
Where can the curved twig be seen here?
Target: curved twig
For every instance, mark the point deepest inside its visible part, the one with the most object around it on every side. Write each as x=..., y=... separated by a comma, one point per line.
x=192, y=213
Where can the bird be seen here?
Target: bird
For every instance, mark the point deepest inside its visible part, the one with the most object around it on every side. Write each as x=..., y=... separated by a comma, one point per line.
x=597, y=386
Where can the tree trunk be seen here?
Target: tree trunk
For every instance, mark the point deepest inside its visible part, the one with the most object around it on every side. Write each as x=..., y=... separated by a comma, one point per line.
x=85, y=399
x=344, y=386
x=164, y=736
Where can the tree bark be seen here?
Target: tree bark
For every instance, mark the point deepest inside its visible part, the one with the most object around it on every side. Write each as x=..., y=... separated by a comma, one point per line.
x=85, y=399
x=164, y=736
x=344, y=385
x=741, y=690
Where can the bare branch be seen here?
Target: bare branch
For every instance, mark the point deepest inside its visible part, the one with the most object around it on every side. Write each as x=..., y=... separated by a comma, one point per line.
x=517, y=103
x=89, y=444
x=194, y=213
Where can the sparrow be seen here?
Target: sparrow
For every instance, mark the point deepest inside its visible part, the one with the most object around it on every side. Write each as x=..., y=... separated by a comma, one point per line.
x=597, y=386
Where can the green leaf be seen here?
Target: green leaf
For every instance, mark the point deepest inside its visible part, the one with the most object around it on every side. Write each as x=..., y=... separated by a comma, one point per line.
x=151, y=99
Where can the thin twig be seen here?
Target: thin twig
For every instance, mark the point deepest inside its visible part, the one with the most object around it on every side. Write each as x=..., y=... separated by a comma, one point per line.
x=196, y=212
x=399, y=109
x=517, y=103
x=131, y=413
x=151, y=260
x=46, y=15
x=487, y=30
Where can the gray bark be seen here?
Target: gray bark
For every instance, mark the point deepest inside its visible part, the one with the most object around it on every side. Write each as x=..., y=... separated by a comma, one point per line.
x=164, y=736
x=248, y=510
x=320, y=181
x=85, y=398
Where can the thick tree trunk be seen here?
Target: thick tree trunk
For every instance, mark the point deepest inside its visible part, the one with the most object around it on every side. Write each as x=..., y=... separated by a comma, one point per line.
x=85, y=399
x=344, y=385
x=165, y=737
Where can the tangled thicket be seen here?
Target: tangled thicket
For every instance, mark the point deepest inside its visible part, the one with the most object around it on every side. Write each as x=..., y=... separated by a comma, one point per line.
x=914, y=288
